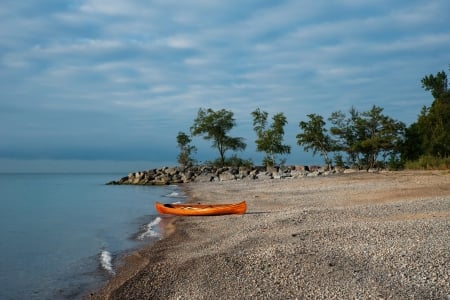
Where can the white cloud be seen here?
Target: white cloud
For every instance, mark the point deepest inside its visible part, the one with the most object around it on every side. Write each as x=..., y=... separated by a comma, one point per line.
x=135, y=59
x=108, y=7
x=419, y=42
x=180, y=42
x=196, y=61
x=160, y=89
x=79, y=47
x=420, y=14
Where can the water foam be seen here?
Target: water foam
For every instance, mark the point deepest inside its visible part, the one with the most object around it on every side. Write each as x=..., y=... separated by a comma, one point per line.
x=149, y=230
x=174, y=195
x=106, y=261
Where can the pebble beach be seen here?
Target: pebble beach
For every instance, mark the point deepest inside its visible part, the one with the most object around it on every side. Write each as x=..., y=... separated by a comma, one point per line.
x=362, y=235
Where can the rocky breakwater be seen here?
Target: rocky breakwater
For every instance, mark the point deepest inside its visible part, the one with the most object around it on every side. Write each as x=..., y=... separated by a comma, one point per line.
x=178, y=175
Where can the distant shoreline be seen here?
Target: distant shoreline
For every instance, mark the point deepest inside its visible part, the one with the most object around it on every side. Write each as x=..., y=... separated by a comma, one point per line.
x=357, y=235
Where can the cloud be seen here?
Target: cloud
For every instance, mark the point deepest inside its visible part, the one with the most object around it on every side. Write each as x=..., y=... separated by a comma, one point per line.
x=180, y=42
x=134, y=70
x=104, y=7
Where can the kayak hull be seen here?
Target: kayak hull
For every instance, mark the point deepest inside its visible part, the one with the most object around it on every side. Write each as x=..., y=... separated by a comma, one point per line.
x=201, y=209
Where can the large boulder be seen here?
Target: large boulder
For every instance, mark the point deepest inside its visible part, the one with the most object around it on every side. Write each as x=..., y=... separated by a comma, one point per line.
x=225, y=176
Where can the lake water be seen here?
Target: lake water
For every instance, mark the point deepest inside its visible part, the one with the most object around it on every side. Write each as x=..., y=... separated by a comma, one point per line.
x=61, y=234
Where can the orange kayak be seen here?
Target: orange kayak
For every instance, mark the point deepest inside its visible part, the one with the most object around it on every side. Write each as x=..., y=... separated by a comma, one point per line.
x=201, y=209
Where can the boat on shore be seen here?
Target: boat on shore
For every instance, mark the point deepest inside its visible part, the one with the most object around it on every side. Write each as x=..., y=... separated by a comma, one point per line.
x=201, y=209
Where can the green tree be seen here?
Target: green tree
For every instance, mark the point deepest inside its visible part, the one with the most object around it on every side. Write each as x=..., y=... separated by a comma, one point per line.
x=434, y=121
x=365, y=136
x=344, y=130
x=184, y=158
x=270, y=139
x=411, y=149
x=379, y=135
x=438, y=85
x=314, y=137
x=214, y=126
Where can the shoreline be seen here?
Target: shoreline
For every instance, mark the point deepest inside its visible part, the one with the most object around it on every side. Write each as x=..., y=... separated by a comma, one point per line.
x=131, y=263
x=335, y=236
x=134, y=262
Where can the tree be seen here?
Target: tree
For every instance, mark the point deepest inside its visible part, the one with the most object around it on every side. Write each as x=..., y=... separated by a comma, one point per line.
x=365, y=136
x=270, y=140
x=433, y=125
x=438, y=85
x=314, y=137
x=214, y=126
x=184, y=158
x=379, y=134
x=411, y=149
x=344, y=130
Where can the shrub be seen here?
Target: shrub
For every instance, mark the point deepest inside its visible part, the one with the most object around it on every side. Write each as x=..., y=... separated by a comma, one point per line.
x=428, y=162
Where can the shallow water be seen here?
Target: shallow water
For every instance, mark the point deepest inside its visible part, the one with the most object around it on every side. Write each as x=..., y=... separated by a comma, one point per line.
x=63, y=233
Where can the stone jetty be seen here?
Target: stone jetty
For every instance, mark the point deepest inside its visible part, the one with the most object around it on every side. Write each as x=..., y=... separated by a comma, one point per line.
x=178, y=175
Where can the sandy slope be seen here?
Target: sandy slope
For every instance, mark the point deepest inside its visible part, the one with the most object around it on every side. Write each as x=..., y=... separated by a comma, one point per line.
x=361, y=235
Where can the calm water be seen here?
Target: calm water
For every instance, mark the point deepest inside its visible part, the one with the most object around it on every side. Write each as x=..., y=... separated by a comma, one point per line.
x=61, y=234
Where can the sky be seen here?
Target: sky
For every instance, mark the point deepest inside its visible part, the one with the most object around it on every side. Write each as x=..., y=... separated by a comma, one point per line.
x=107, y=85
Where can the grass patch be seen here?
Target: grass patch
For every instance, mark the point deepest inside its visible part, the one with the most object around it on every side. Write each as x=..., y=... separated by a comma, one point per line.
x=428, y=162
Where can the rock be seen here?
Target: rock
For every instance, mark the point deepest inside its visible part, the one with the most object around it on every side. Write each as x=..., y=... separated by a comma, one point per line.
x=162, y=179
x=264, y=176
x=171, y=171
x=272, y=169
x=314, y=174
x=178, y=175
x=205, y=178
x=313, y=168
x=225, y=176
x=340, y=169
x=301, y=168
x=244, y=171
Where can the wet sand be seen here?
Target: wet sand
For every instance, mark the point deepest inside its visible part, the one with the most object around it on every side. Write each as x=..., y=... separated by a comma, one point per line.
x=363, y=235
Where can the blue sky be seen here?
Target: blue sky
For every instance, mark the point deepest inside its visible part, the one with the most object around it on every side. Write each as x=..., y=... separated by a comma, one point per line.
x=110, y=83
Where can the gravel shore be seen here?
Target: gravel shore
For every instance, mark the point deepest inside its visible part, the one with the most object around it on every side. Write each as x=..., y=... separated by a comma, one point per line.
x=354, y=236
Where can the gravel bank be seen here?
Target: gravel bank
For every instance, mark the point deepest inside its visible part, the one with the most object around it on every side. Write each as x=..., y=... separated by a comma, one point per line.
x=365, y=236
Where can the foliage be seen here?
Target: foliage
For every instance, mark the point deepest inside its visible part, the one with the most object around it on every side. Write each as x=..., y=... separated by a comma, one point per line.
x=184, y=158
x=314, y=137
x=232, y=161
x=369, y=139
x=338, y=160
x=438, y=85
x=270, y=140
x=428, y=162
x=214, y=126
x=343, y=129
x=430, y=135
x=411, y=149
x=365, y=136
x=380, y=135
x=395, y=163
